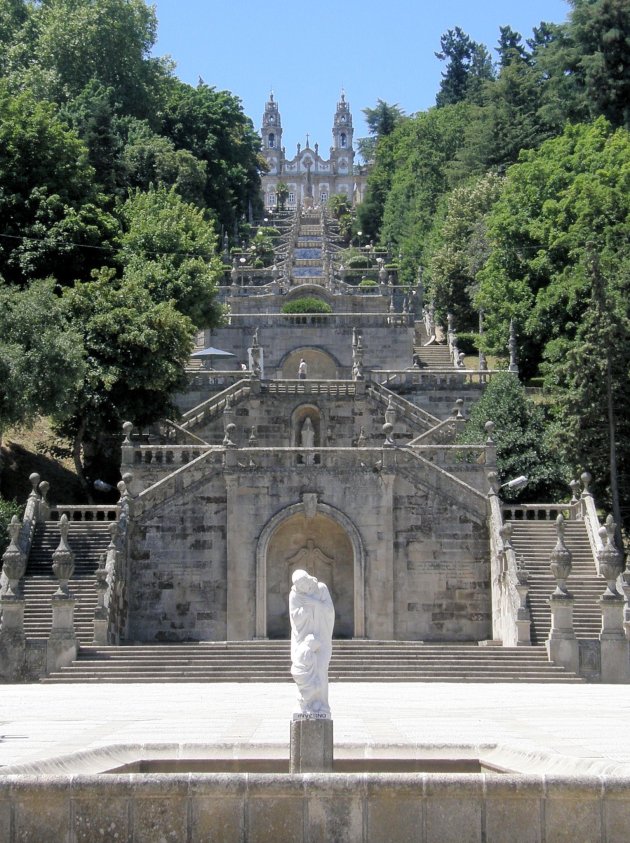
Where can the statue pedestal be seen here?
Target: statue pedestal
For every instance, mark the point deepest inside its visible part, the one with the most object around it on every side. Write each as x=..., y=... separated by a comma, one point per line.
x=311, y=745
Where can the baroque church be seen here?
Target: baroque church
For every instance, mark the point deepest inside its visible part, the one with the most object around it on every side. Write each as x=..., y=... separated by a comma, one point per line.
x=311, y=179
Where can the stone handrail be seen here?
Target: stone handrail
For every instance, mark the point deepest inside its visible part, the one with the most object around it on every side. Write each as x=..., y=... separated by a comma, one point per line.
x=216, y=404
x=508, y=624
x=410, y=411
x=592, y=523
x=448, y=426
x=466, y=496
x=176, y=428
x=85, y=512
x=177, y=480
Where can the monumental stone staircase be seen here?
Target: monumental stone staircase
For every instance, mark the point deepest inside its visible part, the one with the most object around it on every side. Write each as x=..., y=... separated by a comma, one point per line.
x=436, y=356
x=88, y=540
x=352, y=661
x=533, y=542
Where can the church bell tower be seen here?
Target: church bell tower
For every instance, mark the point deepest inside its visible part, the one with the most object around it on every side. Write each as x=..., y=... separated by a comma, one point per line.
x=271, y=133
x=342, y=152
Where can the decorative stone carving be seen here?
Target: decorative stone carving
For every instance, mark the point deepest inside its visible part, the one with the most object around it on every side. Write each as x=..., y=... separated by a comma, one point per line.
x=493, y=483
x=609, y=559
x=388, y=430
x=574, y=485
x=390, y=412
x=586, y=479
x=309, y=499
x=560, y=561
x=312, y=617
x=361, y=439
x=63, y=559
x=228, y=441
x=13, y=559
x=127, y=429
x=44, y=506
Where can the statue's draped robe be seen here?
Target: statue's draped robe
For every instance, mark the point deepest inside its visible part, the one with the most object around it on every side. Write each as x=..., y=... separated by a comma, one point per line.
x=312, y=621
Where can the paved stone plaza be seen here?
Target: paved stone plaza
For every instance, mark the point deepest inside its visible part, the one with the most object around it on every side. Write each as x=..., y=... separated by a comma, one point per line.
x=582, y=725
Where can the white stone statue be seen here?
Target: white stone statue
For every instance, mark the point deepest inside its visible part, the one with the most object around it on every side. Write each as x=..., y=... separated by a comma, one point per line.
x=307, y=434
x=312, y=619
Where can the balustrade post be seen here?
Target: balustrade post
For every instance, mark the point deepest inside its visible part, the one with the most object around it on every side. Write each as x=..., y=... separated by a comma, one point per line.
x=491, y=448
x=100, y=613
x=523, y=617
x=127, y=447
x=615, y=664
x=62, y=642
x=12, y=638
x=562, y=645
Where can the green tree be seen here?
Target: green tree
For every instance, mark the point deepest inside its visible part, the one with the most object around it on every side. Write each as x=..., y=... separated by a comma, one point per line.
x=107, y=41
x=572, y=190
x=169, y=248
x=468, y=66
x=212, y=126
x=41, y=354
x=282, y=193
x=53, y=221
x=459, y=247
x=523, y=440
x=136, y=349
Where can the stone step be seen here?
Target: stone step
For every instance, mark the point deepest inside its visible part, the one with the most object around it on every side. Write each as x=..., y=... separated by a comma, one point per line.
x=351, y=661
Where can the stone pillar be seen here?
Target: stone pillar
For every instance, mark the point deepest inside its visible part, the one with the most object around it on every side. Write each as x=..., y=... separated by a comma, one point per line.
x=127, y=447
x=62, y=642
x=562, y=645
x=311, y=745
x=523, y=618
x=615, y=663
x=100, y=613
x=12, y=638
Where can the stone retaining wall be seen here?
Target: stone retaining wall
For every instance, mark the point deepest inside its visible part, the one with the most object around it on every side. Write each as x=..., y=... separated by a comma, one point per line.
x=271, y=808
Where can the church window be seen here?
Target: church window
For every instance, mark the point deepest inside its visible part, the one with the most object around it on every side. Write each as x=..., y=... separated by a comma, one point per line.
x=344, y=140
x=291, y=198
x=272, y=140
x=272, y=200
x=324, y=196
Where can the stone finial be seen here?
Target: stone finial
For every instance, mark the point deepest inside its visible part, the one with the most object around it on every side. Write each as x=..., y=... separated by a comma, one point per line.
x=361, y=440
x=493, y=483
x=560, y=560
x=574, y=485
x=460, y=360
x=230, y=430
x=506, y=535
x=113, y=530
x=489, y=428
x=457, y=409
x=586, y=479
x=63, y=559
x=34, y=480
x=13, y=560
x=127, y=430
x=124, y=488
x=609, y=558
x=388, y=429
x=253, y=438
x=450, y=323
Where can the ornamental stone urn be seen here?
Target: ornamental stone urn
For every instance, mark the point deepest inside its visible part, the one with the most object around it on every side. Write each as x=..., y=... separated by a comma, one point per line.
x=63, y=560
x=560, y=561
x=13, y=560
x=609, y=559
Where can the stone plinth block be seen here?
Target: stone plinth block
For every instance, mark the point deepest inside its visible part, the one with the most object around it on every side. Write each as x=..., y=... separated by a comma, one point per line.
x=311, y=746
x=62, y=645
x=562, y=645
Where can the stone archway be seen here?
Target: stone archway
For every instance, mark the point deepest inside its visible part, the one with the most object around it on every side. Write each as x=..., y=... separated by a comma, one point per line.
x=323, y=542
x=321, y=365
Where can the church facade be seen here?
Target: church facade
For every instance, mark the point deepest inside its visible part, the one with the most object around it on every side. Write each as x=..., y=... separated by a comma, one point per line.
x=309, y=177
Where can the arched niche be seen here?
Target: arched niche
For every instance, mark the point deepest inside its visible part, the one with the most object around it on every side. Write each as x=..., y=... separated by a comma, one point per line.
x=324, y=542
x=298, y=418
x=321, y=365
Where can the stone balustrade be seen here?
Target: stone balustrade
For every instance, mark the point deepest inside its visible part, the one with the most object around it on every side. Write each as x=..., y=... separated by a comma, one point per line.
x=85, y=512
x=540, y=511
x=329, y=388
x=338, y=320
x=459, y=378
x=410, y=411
x=159, y=456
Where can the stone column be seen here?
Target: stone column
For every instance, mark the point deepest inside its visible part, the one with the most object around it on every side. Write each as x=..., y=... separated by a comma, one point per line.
x=562, y=645
x=523, y=617
x=615, y=663
x=100, y=613
x=62, y=642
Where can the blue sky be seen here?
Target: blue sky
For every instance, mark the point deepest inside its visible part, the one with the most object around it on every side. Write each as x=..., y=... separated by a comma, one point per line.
x=306, y=52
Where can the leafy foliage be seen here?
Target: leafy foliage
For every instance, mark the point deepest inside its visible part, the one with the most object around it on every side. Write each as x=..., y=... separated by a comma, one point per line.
x=523, y=439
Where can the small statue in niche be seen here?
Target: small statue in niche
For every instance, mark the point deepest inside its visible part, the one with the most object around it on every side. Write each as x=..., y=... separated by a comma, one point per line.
x=312, y=617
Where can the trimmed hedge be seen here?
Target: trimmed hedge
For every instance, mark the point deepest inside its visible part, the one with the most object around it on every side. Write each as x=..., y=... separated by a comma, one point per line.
x=307, y=304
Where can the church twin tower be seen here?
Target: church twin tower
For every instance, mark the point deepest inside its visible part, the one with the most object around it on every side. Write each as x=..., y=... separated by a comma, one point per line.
x=309, y=178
